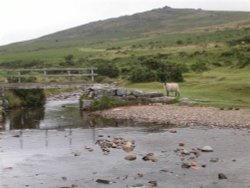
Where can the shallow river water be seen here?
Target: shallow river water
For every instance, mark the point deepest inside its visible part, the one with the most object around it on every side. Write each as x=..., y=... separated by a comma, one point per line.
x=49, y=148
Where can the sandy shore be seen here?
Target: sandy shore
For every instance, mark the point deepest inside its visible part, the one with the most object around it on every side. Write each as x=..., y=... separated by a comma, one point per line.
x=181, y=115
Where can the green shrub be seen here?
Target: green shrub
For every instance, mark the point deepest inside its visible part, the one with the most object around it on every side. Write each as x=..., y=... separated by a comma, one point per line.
x=199, y=66
x=110, y=70
x=142, y=74
x=243, y=61
x=30, y=97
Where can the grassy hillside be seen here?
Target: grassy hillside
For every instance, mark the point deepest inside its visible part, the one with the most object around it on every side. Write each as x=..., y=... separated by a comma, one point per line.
x=212, y=49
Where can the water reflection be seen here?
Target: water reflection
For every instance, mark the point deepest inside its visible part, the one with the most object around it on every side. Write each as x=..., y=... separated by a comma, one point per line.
x=24, y=118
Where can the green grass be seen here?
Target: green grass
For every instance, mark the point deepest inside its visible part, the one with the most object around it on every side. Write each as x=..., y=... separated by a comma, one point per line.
x=220, y=88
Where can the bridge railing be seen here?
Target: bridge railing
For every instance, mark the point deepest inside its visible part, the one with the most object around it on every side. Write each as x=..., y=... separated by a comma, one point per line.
x=48, y=72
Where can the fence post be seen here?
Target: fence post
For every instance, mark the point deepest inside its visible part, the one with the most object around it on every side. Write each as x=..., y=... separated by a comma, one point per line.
x=19, y=78
x=92, y=74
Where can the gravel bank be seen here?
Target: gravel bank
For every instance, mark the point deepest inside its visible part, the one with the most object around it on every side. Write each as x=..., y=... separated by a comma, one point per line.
x=181, y=115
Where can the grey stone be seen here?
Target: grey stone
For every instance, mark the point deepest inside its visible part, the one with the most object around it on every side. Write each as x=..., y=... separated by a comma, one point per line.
x=164, y=99
x=111, y=92
x=130, y=157
x=137, y=93
x=121, y=92
x=207, y=149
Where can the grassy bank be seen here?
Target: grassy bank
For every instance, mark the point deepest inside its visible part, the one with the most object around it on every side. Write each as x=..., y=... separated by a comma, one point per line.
x=222, y=88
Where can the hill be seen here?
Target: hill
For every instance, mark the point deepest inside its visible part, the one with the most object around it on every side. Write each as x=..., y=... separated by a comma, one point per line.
x=146, y=24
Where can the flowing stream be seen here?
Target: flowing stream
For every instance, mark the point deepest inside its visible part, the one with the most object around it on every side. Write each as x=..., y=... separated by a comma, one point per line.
x=58, y=113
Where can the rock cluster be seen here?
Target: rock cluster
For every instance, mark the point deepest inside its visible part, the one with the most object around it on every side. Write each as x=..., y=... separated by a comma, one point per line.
x=116, y=143
x=97, y=91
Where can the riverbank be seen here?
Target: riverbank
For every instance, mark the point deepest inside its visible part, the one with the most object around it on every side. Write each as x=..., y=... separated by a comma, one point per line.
x=181, y=116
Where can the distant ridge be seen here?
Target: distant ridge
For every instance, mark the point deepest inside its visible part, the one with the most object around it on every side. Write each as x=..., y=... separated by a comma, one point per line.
x=155, y=22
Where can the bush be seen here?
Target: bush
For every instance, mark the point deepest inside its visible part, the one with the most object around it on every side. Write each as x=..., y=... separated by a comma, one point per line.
x=142, y=74
x=110, y=70
x=151, y=69
x=199, y=66
x=243, y=61
x=30, y=97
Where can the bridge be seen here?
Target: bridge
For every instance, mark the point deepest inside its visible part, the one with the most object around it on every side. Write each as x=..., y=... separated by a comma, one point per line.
x=19, y=76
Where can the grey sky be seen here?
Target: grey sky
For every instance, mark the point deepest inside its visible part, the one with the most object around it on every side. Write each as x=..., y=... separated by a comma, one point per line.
x=26, y=19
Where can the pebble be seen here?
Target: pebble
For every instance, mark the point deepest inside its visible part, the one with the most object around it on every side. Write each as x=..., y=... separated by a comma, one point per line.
x=130, y=157
x=222, y=176
x=214, y=160
x=152, y=183
x=104, y=181
x=185, y=165
x=137, y=186
x=150, y=157
x=207, y=149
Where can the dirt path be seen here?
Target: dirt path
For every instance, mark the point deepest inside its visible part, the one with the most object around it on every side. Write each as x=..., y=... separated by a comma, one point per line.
x=181, y=115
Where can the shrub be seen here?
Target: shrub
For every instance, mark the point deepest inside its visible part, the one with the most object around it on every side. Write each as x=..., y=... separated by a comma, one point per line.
x=199, y=66
x=110, y=70
x=142, y=74
x=30, y=97
x=243, y=61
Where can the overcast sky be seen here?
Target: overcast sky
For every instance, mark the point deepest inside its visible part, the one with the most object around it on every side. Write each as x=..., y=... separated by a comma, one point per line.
x=27, y=19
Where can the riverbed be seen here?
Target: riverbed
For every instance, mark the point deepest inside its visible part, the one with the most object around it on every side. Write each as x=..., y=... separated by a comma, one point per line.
x=58, y=149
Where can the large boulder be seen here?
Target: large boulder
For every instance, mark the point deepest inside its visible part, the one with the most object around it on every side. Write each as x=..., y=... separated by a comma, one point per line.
x=121, y=92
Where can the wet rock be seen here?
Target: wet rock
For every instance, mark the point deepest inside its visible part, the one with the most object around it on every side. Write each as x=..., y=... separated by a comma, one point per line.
x=185, y=152
x=104, y=181
x=125, y=177
x=76, y=153
x=181, y=144
x=214, y=160
x=163, y=170
x=138, y=186
x=140, y=175
x=194, y=165
x=150, y=157
x=64, y=178
x=128, y=147
x=185, y=165
x=89, y=149
x=115, y=143
x=207, y=149
x=222, y=176
x=130, y=157
x=196, y=152
x=16, y=136
x=152, y=183
x=172, y=131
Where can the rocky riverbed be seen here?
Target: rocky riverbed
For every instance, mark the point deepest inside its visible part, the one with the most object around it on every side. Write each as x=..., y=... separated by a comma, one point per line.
x=181, y=116
x=125, y=158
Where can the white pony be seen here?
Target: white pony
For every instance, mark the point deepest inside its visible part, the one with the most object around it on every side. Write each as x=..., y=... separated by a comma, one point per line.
x=171, y=87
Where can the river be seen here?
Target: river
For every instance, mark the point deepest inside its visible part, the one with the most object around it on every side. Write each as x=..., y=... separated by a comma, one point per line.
x=55, y=147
